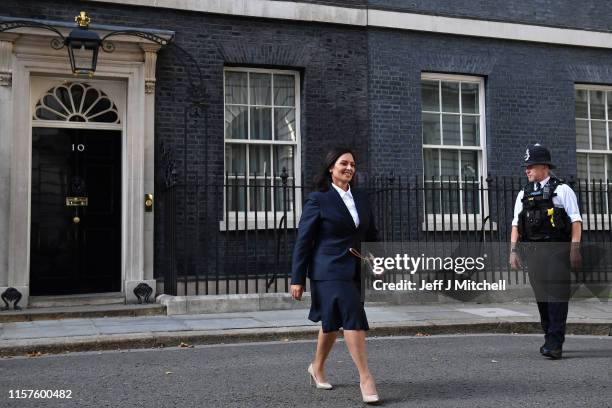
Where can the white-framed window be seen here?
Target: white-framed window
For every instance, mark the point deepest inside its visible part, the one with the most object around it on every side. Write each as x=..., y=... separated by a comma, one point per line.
x=593, y=146
x=454, y=159
x=262, y=143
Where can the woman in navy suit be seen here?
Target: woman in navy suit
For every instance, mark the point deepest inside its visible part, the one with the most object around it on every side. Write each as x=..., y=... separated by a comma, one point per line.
x=334, y=219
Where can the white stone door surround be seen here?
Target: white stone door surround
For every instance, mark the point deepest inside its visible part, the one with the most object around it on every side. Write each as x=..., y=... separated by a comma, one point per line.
x=26, y=57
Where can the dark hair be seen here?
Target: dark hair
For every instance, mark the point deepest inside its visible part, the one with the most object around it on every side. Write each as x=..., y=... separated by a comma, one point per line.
x=323, y=179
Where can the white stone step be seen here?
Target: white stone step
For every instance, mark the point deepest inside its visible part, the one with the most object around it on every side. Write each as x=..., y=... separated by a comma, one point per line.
x=112, y=298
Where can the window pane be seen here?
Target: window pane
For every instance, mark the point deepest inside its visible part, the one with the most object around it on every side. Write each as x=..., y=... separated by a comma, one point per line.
x=63, y=95
x=283, y=157
x=236, y=122
x=236, y=87
x=284, y=124
x=596, y=164
x=430, y=96
x=581, y=103
x=284, y=90
x=261, y=89
x=598, y=135
x=259, y=160
x=432, y=197
x=431, y=164
x=261, y=123
x=450, y=97
x=51, y=102
x=470, y=196
x=283, y=195
x=450, y=130
x=260, y=197
x=597, y=104
x=449, y=164
x=581, y=164
x=469, y=165
x=431, y=128
x=450, y=196
x=469, y=98
x=609, y=158
x=45, y=114
x=582, y=134
x=470, y=185
x=471, y=131
x=235, y=159
x=236, y=197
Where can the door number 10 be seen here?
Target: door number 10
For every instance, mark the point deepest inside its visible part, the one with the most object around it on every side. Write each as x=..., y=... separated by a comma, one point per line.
x=78, y=147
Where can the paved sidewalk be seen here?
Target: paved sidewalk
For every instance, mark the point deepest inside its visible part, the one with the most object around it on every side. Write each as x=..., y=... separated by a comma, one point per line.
x=53, y=336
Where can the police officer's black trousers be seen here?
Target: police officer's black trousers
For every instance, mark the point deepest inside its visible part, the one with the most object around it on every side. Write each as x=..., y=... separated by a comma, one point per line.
x=549, y=274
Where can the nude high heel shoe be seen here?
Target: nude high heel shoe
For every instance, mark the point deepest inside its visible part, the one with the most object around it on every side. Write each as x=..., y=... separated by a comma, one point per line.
x=320, y=385
x=369, y=399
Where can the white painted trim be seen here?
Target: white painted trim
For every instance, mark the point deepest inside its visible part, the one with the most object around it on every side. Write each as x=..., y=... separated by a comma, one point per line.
x=590, y=87
x=488, y=29
x=285, y=10
x=6, y=131
x=288, y=10
x=596, y=222
x=442, y=223
x=587, y=151
x=432, y=76
x=75, y=125
x=260, y=223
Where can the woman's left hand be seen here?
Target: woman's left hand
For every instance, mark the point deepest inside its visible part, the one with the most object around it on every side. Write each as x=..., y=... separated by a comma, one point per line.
x=296, y=291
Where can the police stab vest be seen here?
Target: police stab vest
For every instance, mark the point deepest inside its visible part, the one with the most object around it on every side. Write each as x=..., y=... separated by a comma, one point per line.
x=540, y=220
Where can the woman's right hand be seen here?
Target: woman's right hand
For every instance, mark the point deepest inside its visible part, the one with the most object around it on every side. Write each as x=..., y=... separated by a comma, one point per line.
x=296, y=291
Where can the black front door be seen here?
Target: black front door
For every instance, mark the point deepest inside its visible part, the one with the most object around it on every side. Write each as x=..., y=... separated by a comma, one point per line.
x=76, y=211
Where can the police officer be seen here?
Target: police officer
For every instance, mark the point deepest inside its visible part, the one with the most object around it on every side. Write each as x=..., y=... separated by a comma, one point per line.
x=548, y=224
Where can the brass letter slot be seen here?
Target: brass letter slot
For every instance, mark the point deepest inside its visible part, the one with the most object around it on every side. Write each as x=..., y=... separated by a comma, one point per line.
x=76, y=201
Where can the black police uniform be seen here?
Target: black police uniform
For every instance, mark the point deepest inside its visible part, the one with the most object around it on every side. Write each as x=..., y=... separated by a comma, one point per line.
x=545, y=232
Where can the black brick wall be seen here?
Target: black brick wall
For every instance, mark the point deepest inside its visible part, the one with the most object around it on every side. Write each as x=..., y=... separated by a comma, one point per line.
x=529, y=95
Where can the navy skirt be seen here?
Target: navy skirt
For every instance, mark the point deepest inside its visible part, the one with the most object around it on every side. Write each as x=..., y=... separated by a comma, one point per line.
x=336, y=304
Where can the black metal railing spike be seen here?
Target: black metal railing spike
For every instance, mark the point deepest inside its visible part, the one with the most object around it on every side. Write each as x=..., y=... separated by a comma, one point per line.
x=284, y=176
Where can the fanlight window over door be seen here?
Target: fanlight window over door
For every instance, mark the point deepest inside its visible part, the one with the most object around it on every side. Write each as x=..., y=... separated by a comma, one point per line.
x=76, y=102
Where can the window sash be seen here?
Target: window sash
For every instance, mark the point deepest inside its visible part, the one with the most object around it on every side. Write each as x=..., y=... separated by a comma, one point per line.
x=441, y=112
x=464, y=202
x=596, y=158
x=234, y=197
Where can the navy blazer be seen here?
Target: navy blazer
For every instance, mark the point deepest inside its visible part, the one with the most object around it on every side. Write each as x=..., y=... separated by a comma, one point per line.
x=326, y=232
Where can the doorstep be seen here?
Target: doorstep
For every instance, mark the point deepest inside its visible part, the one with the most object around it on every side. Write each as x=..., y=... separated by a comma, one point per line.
x=81, y=311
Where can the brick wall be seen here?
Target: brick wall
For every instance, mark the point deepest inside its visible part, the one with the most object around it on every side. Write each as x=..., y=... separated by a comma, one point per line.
x=529, y=95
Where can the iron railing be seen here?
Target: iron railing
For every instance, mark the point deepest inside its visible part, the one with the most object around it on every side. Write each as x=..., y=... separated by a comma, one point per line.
x=236, y=236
